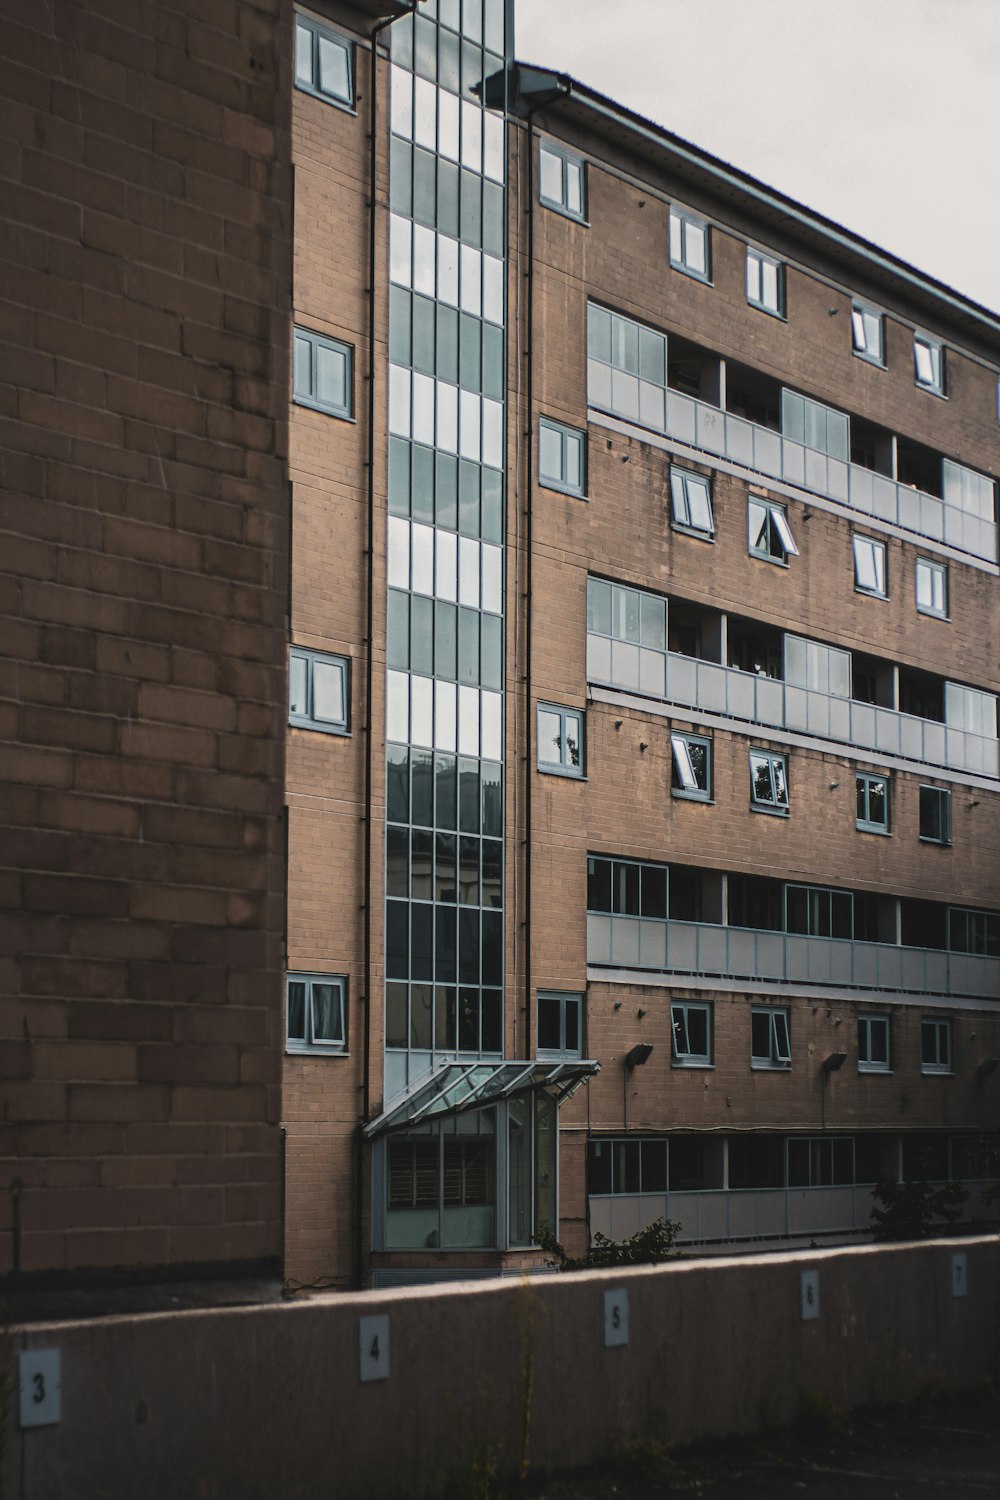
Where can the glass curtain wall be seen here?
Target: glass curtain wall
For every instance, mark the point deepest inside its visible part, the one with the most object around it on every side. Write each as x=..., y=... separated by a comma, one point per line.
x=445, y=781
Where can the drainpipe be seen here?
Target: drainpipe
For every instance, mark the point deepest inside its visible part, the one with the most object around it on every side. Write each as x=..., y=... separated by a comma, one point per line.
x=359, y=1205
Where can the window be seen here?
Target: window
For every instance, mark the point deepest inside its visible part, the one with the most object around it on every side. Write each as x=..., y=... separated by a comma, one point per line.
x=935, y=814
x=626, y=368
x=318, y=691
x=869, y=566
x=626, y=888
x=560, y=740
x=765, y=283
x=691, y=499
x=626, y=638
x=623, y=1166
x=691, y=1035
x=562, y=457
x=817, y=911
x=323, y=373
x=692, y=767
x=935, y=1038
x=770, y=535
x=816, y=426
x=315, y=1013
x=561, y=181
x=932, y=588
x=873, y=1044
x=768, y=782
x=560, y=1028
x=769, y=1043
x=323, y=63
x=867, y=333
x=928, y=364
x=971, y=931
x=873, y=803
x=820, y=1161
x=689, y=248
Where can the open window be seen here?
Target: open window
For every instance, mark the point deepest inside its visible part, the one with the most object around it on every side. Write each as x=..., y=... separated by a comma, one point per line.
x=691, y=756
x=770, y=1044
x=691, y=1035
x=770, y=535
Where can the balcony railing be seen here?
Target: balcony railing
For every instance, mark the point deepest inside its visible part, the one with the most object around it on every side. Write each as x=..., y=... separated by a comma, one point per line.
x=703, y=426
x=736, y=1213
x=742, y=1213
x=780, y=705
x=707, y=950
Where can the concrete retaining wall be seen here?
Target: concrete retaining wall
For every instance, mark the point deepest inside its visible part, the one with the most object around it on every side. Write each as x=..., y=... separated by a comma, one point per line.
x=268, y=1401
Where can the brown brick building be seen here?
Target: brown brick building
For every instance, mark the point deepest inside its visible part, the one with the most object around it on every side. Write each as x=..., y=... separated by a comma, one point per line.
x=143, y=598
x=641, y=767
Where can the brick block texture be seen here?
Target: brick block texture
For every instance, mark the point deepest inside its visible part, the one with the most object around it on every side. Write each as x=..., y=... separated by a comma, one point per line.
x=143, y=595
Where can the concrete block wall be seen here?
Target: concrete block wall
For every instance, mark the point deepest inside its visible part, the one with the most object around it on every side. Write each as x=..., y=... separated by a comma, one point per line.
x=143, y=588
x=268, y=1401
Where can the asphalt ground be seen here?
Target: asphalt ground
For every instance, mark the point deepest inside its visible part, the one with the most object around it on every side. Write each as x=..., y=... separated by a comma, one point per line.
x=942, y=1446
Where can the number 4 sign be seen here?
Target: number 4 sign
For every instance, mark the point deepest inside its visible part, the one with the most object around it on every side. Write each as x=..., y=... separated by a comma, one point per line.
x=374, y=1347
x=40, y=1382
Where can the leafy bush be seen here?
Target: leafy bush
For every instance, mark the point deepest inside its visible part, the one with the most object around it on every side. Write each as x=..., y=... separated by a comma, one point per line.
x=915, y=1210
x=647, y=1247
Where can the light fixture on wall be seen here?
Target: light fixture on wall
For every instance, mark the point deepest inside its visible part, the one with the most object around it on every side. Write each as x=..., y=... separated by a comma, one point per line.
x=987, y=1066
x=638, y=1055
x=834, y=1062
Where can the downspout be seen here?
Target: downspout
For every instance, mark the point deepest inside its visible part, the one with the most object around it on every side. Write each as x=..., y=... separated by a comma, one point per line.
x=529, y=770
x=359, y=1205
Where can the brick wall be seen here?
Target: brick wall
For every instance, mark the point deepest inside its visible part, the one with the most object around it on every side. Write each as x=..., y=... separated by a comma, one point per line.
x=143, y=593
x=624, y=807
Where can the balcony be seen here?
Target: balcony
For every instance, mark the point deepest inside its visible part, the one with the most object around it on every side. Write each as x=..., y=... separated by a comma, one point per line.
x=756, y=699
x=708, y=950
x=630, y=376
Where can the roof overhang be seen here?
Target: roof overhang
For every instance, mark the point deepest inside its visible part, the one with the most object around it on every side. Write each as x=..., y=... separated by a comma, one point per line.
x=644, y=140
x=458, y=1087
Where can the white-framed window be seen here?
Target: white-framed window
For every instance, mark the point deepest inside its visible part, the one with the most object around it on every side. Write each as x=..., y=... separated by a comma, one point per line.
x=323, y=375
x=560, y=1024
x=869, y=566
x=768, y=781
x=560, y=740
x=765, y=282
x=935, y=1042
x=874, y=1050
x=691, y=1035
x=935, y=814
x=562, y=457
x=561, y=181
x=868, y=333
x=769, y=534
x=691, y=758
x=770, y=1044
x=873, y=802
x=689, y=245
x=316, y=1013
x=318, y=691
x=691, y=502
x=932, y=587
x=928, y=364
x=324, y=63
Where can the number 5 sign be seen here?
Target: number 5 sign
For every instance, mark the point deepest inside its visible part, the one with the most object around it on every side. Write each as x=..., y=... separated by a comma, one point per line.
x=40, y=1382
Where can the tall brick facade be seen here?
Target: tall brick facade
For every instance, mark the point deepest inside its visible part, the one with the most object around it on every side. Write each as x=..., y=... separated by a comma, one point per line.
x=388, y=1180
x=592, y=449
x=143, y=594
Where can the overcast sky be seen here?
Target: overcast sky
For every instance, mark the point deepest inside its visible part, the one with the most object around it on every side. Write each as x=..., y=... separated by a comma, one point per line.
x=880, y=114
